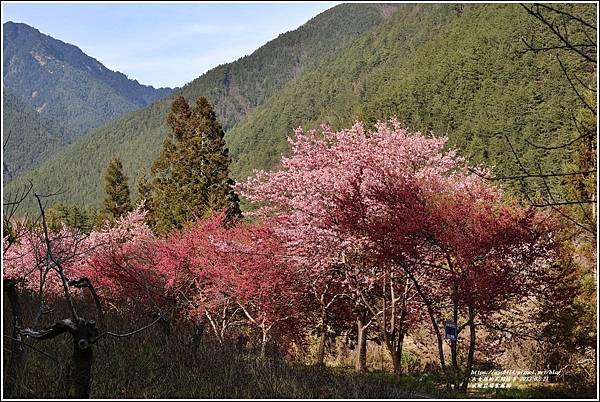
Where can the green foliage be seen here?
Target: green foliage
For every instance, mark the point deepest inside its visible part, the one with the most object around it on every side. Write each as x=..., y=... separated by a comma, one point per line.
x=74, y=216
x=461, y=72
x=191, y=175
x=116, y=201
x=464, y=74
x=584, y=159
x=234, y=89
x=29, y=138
x=568, y=315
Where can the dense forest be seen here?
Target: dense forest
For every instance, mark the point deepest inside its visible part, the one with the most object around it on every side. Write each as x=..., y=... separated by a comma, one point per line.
x=29, y=138
x=403, y=207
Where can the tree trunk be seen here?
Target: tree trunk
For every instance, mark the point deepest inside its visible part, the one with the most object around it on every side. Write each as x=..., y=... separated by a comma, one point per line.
x=197, y=337
x=16, y=360
x=81, y=369
x=436, y=329
x=263, y=344
x=453, y=344
x=389, y=342
x=360, y=363
x=165, y=325
x=471, y=354
x=82, y=359
x=399, y=346
x=321, y=351
x=322, y=340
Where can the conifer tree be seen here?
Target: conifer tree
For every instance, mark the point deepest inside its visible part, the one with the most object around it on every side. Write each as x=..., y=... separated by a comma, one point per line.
x=116, y=201
x=191, y=175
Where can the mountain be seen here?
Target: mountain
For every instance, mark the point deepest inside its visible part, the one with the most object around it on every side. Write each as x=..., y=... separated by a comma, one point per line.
x=445, y=69
x=235, y=90
x=456, y=70
x=29, y=138
x=64, y=84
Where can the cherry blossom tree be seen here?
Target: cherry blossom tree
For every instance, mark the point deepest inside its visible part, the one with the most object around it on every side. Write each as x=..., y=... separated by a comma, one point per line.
x=229, y=276
x=121, y=262
x=388, y=203
x=479, y=253
x=188, y=260
x=52, y=263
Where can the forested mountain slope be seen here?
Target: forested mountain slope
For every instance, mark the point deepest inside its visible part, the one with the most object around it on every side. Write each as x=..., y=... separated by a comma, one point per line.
x=29, y=138
x=458, y=70
x=66, y=85
x=235, y=90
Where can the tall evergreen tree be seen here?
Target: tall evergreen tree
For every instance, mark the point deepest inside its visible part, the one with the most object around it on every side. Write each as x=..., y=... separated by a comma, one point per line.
x=191, y=175
x=116, y=201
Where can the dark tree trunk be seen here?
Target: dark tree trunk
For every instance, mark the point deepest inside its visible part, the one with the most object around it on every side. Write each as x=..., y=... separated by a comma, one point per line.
x=396, y=363
x=16, y=360
x=198, y=332
x=471, y=354
x=165, y=325
x=453, y=345
x=197, y=339
x=360, y=363
x=389, y=344
x=81, y=365
x=81, y=369
x=436, y=329
x=455, y=375
x=400, y=345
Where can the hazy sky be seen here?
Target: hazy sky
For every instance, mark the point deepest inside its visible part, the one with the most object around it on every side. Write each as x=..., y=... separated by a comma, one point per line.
x=164, y=44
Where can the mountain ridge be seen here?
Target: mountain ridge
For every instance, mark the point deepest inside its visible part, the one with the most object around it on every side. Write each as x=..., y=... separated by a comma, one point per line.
x=443, y=69
x=44, y=137
x=66, y=85
x=252, y=79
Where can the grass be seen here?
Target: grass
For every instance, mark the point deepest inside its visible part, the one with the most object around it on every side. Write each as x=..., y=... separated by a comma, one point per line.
x=150, y=368
x=153, y=365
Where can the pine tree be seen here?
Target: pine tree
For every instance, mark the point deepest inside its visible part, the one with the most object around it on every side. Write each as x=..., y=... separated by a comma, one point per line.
x=191, y=175
x=116, y=201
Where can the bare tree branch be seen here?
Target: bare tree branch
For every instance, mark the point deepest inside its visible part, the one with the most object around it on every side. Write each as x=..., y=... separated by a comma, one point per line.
x=566, y=74
x=570, y=16
x=535, y=12
x=56, y=329
x=86, y=283
x=32, y=348
x=113, y=334
x=54, y=261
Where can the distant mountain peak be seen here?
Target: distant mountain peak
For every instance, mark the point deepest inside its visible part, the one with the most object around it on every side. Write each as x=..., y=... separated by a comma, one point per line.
x=234, y=89
x=57, y=94
x=70, y=87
